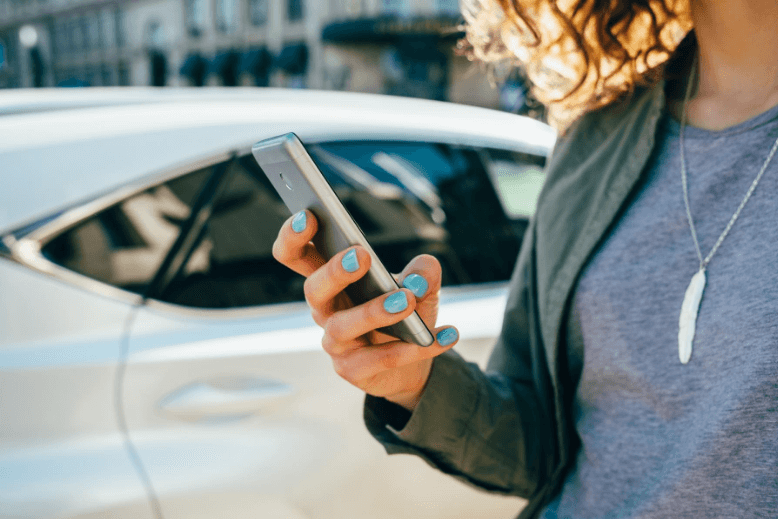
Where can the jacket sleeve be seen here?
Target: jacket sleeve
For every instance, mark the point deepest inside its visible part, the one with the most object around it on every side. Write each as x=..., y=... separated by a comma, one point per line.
x=490, y=429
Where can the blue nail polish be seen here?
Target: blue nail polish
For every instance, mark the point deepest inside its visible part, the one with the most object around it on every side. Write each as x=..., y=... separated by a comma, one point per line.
x=350, y=261
x=299, y=222
x=396, y=303
x=447, y=336
x=416, y=284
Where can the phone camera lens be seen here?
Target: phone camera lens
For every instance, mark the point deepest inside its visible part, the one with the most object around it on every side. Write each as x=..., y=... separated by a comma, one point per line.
x=286, y=182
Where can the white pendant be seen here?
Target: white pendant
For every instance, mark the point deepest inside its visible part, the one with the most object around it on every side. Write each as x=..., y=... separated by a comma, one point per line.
x=687, y=324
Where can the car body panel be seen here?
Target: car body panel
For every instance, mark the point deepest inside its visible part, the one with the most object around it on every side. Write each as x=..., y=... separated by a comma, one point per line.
x=61, y=453
x=297, y=434
x=72, y=148
x=233, y=412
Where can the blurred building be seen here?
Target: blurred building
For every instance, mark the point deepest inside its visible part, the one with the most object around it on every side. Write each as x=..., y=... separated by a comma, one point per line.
x=403, y=47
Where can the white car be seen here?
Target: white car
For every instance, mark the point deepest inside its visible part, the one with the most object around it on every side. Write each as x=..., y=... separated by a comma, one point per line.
x=155, y=361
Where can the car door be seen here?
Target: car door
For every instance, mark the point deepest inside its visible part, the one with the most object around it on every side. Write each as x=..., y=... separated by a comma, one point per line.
x=61, y=452
x=230, y=402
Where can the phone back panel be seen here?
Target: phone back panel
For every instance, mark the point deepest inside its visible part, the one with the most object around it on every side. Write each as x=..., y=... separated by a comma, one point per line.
x=301, y=185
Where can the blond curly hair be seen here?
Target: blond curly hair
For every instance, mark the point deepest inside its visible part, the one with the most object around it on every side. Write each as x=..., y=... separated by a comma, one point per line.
x=577, y=55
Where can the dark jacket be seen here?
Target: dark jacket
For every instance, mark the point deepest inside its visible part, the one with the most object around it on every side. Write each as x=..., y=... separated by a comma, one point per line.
x=510, y=429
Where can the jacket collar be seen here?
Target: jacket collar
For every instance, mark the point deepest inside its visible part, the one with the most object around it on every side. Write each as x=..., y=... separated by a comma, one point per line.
x=593, y=185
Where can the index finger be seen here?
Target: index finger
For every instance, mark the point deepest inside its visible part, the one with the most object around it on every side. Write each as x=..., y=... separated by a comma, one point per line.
x=293, y=246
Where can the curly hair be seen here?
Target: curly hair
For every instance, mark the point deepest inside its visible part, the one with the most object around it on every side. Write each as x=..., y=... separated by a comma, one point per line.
x=578, y=55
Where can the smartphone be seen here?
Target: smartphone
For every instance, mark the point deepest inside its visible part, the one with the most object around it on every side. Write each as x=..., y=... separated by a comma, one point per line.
x=301, y=185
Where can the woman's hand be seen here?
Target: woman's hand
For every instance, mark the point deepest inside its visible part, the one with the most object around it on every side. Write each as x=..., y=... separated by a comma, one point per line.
x=375, y=362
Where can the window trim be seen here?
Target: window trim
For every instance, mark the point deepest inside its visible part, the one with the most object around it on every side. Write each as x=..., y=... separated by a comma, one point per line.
x=27, y=249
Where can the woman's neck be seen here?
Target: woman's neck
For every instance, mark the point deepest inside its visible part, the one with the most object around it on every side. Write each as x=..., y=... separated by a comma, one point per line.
x=737, y=69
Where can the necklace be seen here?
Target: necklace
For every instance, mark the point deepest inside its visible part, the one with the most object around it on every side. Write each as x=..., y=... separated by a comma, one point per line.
x=687, y=323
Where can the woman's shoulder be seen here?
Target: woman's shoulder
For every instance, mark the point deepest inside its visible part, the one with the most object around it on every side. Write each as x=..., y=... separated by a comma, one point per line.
x=629, y=108
x=617, y=124
x=600, y=144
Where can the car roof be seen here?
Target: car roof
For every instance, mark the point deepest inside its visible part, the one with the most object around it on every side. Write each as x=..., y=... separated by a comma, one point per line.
x=59, y=147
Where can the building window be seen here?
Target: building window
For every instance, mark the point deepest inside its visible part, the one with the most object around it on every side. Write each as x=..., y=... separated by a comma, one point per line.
x=259, y=12
x=295, y=10
x=195, y=17
x=9, y=56
x=226, y=19
x=119, y=28
x=106, y=75
x=86, y=33
x=123, y=72
x=77, y=34
x=396, y=7
x=92, y=75
x=93, y=30
x=158, y=68
x=155, y=35
x=60, y=38
x=108, y=24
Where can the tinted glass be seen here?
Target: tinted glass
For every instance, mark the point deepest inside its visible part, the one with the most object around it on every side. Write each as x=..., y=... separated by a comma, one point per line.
x=460, y=217
x=408, y=199
x=233, y=264
x=518, y=178
x=125, y=244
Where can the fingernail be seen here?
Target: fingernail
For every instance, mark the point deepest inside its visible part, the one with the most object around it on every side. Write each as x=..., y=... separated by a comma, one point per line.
x=299, y=221
x=350, y=261
x=447, y=336
x=416, y=284
x=396, y=303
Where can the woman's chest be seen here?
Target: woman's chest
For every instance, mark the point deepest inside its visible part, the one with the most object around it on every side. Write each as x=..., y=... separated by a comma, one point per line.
x=629, y=296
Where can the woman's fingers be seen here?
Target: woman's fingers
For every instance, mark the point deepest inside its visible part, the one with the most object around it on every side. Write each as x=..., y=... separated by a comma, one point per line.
x=293, y=246
x=361, y=354
x=343, y=329
x=422, y=276
x=363, y=363
x=327, y=282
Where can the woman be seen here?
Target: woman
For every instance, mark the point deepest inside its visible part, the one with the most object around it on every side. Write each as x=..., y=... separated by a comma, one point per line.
x=636, y=374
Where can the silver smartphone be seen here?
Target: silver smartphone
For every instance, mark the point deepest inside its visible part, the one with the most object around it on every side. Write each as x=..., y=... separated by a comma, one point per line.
x=301, y=185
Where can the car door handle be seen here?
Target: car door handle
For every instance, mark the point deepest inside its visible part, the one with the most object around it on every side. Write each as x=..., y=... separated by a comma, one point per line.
x=224, y=397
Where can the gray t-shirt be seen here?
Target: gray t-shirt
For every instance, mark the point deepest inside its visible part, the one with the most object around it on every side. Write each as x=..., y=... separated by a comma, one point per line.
x=661, y=439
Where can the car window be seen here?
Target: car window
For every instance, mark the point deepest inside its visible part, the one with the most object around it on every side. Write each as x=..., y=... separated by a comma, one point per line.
x=235, y=267
x=456, y=188
x=518, y=179
x=124, y=245
x=408, y=198
x=239, y=270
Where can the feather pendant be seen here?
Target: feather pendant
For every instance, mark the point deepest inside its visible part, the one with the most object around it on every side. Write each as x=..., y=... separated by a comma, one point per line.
x=687, y=324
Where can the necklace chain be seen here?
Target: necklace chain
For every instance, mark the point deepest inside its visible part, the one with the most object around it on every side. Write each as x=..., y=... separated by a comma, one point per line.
x=704, y=262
